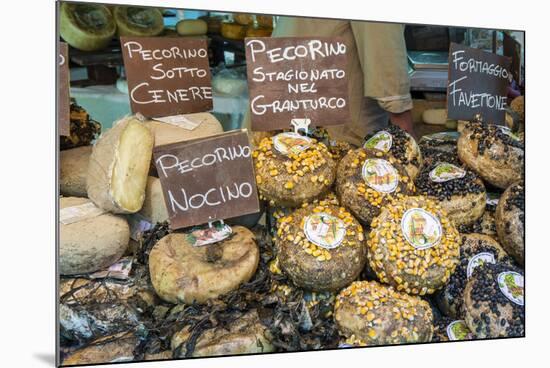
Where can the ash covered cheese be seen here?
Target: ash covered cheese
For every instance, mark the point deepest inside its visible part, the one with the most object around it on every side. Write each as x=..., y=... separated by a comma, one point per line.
x=413, y=245
x=369, y=313
x=292, y=169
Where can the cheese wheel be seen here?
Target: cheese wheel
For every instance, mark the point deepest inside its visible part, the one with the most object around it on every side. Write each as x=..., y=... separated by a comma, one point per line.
x=510, y=221
x=165, y=133
x=367, y=180
x=258, y=32
x=459, y=191
x=370, y=314
x=133, y=21
x=183, y=273
x=243, y=19
x=435, y=116
x=413, y=246
x=398, y=144
x=476, y=249
x=192, y=27
x=233, y=31
x=91, y=244
x=245, y=335
x=112, y=348
x=288, y=175
x=494, y=301
x=493, y=152
x=73, y=169
x=86, y=27
x=154, y=207
x=118, y=168
x=265, y=21
x=321, y=247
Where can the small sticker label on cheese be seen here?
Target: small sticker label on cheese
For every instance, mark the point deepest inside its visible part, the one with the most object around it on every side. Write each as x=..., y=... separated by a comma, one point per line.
x=380, y=175
x=381, y=141
x=457, y=330
x=290, y=142
x=324, y=230
x=182, y=121
x=444, y=172
x=511, y=285
x=478, y=260
x=421, y=228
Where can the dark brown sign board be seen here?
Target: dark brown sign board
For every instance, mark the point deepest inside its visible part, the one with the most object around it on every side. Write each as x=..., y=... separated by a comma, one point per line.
x=512, y=49
x=477, y=84
x=167, y=75
x=207, y=179
x=63, y=96
x=295, y=78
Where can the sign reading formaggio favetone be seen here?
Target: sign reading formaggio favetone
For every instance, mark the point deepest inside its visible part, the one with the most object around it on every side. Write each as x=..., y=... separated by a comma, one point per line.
x=296, y=77
x=167, y=76
x=478, y=82
x=207, y=179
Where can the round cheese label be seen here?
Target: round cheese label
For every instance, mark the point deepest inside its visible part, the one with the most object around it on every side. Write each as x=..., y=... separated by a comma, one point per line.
x=421, y=228
x=290, y=142
x=381, y=141
x=380, y=175
x=478, y=260
x=508, y=132
x=445, y=171
x=457, y=330
x=511, y=285
x=324, y=230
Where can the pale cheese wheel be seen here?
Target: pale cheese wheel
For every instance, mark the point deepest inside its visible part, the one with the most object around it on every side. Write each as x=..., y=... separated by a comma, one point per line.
x=91, y=244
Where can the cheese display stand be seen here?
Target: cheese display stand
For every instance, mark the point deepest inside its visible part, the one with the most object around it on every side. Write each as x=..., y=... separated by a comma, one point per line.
x=326, y=245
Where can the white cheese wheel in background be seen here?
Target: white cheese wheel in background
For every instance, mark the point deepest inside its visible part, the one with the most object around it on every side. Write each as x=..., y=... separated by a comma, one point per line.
x=154, y=207
x=119, y=166
x=91, y=244
x=435, y=116
x=192, y=27
x=73, y=169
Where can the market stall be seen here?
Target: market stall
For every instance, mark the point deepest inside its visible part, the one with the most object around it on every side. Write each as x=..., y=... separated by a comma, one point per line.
x=183, y=233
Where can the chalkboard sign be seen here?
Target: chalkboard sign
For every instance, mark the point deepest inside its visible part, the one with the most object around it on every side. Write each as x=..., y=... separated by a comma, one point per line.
x=167, y=76
x=295, y=78
x=63, y=96
x=207, y=179
x=478, y=82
